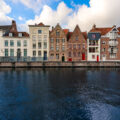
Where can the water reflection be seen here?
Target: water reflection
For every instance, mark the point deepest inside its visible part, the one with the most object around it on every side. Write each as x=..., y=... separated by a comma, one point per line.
x=60, y=94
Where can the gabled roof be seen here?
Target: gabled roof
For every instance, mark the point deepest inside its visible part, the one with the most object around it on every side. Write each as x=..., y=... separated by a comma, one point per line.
x=85, y=35
x=15, y=34
x=41, y=24
x=102, y=31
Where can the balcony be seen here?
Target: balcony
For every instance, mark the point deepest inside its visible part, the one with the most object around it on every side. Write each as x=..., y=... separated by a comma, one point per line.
x=113, y=43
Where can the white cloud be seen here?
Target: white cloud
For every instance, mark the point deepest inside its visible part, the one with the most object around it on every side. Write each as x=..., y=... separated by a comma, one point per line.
x=52, y=17
x=36, y=5
x=101, y=12
x=4, y=10
x=20, y=18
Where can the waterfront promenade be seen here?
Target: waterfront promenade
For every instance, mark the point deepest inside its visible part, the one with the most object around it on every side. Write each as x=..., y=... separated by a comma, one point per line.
x=59, y=64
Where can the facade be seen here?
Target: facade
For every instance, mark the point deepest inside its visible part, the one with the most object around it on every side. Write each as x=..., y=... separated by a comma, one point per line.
x=58, y=44
x=13, y=44
x=39, y=41
x=77, y=45
x=93, y=45
x=108, y=45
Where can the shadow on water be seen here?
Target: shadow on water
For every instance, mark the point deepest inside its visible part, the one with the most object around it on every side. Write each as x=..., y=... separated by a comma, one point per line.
x=60, y=94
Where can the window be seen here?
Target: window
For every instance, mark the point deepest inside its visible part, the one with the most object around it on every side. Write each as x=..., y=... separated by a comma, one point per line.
x=78, y=54
x=57, y=40
x=76, y=38
x=74, y=46
x=52, y=56
x=34, y=53
x=93, y=56
x=57, y=33
x=103, y=42
x=74, y=54
x=113, y=55
x=39, y=45
x=78, y=46
x=11, y=43
x=11, y=52
x=33, y=38
x=69, y=46
x=10, y=34
x=69, y=54
x=39, y=53
x=63, y=48
x=25, y=52
x=57, y=56
x=19, y=43
x=39, y=38
x=39, y=31
x=51, y=47
x=83, y=45
x=6, y=52
x=20, y=34
x=45, y=45
x=63, y=40
x=51, y=40
x=34, y=46
x=92, y=50
x=103, y=50
x=45, y=37
x=57, y=48
x=6, y=43
x=25, y=43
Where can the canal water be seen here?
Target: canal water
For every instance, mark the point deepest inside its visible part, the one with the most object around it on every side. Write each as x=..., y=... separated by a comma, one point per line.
x=60, y=94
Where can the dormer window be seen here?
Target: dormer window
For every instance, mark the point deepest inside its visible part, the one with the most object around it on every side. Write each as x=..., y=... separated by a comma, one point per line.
x=10, y=34
x=20, y=34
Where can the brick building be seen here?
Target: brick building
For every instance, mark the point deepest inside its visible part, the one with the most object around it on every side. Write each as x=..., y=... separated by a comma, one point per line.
x=58, y=44
x=77, y=45
x=109, y=43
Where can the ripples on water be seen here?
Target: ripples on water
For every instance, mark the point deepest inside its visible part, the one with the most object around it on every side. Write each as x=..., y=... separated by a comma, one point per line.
x=60, y=94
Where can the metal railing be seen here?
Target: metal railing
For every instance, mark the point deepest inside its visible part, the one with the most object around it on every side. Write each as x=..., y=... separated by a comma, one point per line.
x=22, y=59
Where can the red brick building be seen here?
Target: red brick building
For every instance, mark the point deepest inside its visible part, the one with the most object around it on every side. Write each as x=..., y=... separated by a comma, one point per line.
x=109, y=43
x=77, y=45
x=58, y=44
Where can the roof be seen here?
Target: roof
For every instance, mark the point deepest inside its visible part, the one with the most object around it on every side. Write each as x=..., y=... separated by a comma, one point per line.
x=15, y=34
x=5, y=27
x=85, y=35
x=66, y=31
x=39, y=25
x=103, y=31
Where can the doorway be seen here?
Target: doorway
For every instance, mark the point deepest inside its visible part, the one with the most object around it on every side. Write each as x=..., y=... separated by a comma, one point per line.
x=63, y=58
x=83, y=56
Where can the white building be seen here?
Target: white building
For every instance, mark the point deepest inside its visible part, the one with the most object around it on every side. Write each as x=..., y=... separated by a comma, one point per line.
x=93, y=46
x=39, y=41
x=13, y=43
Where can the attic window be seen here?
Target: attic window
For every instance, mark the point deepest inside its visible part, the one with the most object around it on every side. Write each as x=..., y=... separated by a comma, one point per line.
x=10, y=34
x=76, y=38
x=20, y=34
x=57, y=33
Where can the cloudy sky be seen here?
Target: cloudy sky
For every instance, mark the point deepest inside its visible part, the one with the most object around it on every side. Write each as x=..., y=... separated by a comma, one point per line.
x=68, y=13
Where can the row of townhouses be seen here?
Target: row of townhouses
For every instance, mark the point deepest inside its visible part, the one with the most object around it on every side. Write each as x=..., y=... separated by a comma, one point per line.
x=43, y=44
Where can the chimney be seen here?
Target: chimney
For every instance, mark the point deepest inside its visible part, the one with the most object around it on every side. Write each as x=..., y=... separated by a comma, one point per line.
x=52, y=27
x=14, y=27
x=94, y=26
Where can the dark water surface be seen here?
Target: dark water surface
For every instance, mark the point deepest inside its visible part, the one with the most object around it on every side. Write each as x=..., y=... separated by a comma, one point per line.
x=60, y=94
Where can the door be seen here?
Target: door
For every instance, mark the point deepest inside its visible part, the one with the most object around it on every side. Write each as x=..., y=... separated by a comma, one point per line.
x=97, y=58
x=18, y=54
x=63, y=58
x=83, y=56
x=45, y=55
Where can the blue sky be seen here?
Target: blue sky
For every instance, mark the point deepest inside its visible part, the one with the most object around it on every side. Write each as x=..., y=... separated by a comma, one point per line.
x=69, y=13
x=19, y=9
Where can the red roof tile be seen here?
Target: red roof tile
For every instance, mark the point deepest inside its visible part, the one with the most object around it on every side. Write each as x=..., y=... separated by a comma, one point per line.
x=103, y=31
x=66, y=31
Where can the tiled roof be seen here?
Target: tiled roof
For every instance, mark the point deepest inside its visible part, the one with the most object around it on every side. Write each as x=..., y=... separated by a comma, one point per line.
x=5, y=27
x=15, y=34
x=66, y=31
x=103, y=31
x=85, y=35
x=41, y=24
